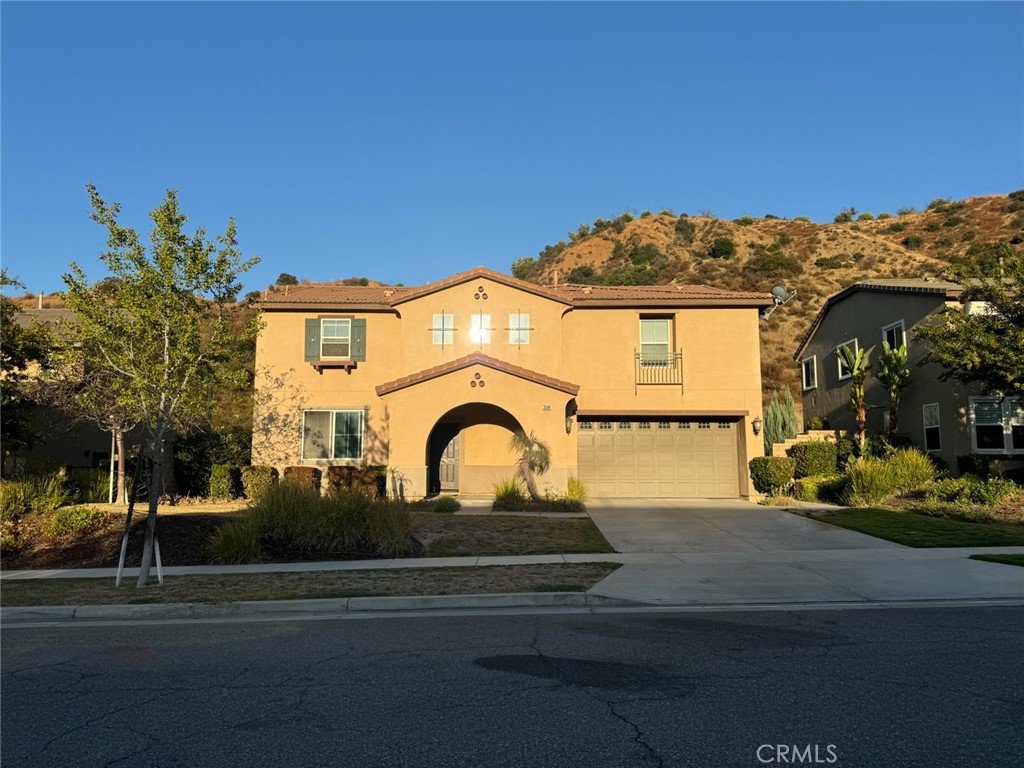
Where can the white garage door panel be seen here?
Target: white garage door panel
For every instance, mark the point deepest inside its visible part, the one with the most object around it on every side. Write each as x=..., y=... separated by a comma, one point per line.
x=680, y=459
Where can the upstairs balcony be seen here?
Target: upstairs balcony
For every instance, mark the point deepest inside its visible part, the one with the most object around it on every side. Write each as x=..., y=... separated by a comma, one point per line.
x=658, y=369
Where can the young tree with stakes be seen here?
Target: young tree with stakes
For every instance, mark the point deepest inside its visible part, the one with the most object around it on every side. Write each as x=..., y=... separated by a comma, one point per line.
x=165, y=330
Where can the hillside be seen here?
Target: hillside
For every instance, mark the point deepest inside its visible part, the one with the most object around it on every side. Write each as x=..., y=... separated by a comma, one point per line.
x=816, y=260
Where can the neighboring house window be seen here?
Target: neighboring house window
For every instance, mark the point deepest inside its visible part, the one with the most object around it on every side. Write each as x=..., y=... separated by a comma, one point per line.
x=932, y=434
x=809, y=371
x=655, y=341
x=335, y=339
x=480, y=329
x=895, y=335
x=444, y=335
x=997, y=425
x=844, y=371
x=332, y=434
x=979, y=308
x=518, y=328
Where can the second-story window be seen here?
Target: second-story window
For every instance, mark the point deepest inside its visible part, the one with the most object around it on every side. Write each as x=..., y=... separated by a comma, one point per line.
x=335, y=339
x=518, y=328
x=655, y=341
x=443, y=330
x=894, y=335
x=480, y=329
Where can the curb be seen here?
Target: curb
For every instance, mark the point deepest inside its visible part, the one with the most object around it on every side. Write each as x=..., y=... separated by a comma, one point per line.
x=291, y=608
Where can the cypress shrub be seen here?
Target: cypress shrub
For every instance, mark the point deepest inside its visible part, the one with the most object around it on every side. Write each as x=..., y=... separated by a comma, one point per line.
x=256, y=480
x=815, y=457
x=771, y=473
x=780, y=422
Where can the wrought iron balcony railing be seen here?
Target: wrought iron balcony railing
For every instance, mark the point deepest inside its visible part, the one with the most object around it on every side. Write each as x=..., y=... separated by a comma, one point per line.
x=661, y=369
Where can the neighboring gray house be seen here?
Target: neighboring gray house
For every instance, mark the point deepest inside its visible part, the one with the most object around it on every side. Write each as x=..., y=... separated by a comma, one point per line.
x=946, y=419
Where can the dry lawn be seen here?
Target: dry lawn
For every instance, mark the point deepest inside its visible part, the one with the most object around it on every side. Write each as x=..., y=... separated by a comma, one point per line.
x=464, y=535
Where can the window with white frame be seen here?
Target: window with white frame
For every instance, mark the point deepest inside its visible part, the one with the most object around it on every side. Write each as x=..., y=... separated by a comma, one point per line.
x=518, y=328
x=809, y=371
x=894, y=335
x=843, y=368
x=932, y=433
x=443, y=329
x=335, y=339
x=655, y=341
x=480, y=329
x=333, y=434
x=997, y=425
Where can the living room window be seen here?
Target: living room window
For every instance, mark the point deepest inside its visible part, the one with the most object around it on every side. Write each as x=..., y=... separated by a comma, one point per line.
x=335, y=338
x=518, y=328
x=444, y=330
x=932, y=433
x=809, y=372
x=997, y=425
x=655, y=341
x=894, y=335
x=333, y=434
x=844, y=371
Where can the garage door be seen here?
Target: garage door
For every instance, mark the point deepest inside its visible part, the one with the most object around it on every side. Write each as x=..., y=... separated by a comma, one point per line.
x=668, y=458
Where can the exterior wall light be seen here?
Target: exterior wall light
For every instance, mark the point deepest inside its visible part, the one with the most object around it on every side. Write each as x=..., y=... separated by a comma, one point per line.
x=757, y=423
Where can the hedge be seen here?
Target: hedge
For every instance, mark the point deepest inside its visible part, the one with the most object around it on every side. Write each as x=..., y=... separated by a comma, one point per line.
x=256, y=480
x=225, y=481
x=307, y=477
x=814, y=457
x=770, y=473
x=369, y=480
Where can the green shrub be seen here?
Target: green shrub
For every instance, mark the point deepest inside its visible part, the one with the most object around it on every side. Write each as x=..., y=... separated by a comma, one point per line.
x=814, y=457
x=803, y=219
x=774, y=264
x=15, y=498
x=827, y=488
x=846, y=450
x=866, y=216
x=905, y=210
x=632, y=274
x=869, y=482
x=91, y=485
x=307, y=477
x=722, y=248
x=575, y=489
x=645, y=213
x=582, y=276
x=225, y=481
x=939, y=204
x=685, y=229
x=780, y=421
x=69, y=521
x=816, y=422
x=913, y=242
x=972, y=490
x=256, y=480
x=507, y=490
x=974, y=464
x=743, y=221
x=830, y=262
x=931, y=226
x=953, y=221
x=196, y=453
x=883, y=216
x=521, y=268
x=896, y=227
x=446, y=504
x=843, y=217
x=666, y=212
x=50, y=492
x=911, y=469
x=234, y=543
x=967, y=236
x=771, y=474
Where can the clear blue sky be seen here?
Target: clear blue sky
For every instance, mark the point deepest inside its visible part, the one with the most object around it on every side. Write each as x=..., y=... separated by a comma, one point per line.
x=406, y=142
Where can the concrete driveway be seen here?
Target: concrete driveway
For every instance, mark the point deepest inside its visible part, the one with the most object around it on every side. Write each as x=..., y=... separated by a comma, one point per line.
x=716, y=525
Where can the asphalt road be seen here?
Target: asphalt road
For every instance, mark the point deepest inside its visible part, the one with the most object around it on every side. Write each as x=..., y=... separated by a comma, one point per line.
x=885, y=688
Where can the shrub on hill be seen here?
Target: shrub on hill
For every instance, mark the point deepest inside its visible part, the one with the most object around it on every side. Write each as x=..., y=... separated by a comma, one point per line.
x=743, y=221
x=774, y=264
x=722, y=248
x=866, y=216
x=685, y=230
x=632, y=274
x=883, y=216
x=896, y=226
x=913, y=242
x=583, y=275
x=803, y=219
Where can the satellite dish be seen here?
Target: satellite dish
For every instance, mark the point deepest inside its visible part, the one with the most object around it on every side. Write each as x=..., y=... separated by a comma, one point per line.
x=780, y=294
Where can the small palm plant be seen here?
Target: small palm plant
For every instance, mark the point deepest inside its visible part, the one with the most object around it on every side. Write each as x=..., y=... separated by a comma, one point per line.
x=534, y=459
x=858, y=364
x=893, y=375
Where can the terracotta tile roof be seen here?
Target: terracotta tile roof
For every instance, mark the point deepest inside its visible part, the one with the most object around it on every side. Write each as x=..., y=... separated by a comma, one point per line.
x=586, y=294
x=476, y=358
x=941, y=289
x=482, y=272
x=333, y=295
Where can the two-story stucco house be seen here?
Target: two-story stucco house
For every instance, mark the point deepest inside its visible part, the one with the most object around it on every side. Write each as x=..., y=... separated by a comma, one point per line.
x=641, y=391
x=947, y=419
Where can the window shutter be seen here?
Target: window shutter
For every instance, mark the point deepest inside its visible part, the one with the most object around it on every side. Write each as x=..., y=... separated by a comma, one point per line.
x=359, y=340
x=312, y=339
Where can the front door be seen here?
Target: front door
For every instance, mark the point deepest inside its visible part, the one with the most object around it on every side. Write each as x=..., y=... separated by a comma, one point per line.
x=450, y=465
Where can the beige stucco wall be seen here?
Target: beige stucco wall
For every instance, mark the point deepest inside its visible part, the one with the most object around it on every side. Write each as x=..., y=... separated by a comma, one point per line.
x=591, y=348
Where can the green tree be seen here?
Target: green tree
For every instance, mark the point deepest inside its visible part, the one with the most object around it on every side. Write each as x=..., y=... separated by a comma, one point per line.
x=894, y=375
x=858, y=364
x=286, y=279
x=521, y=268
x=722, y=248
x=534, y=459
x=23, y=346
x=984, y=347
x=166, y=331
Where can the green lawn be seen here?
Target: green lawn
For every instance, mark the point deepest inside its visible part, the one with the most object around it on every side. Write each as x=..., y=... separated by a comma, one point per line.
x=474, y=580
x=1004, y=559
x=916, y=530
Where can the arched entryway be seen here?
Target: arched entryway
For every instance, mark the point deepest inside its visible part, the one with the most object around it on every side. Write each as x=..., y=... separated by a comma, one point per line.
x=466, y=449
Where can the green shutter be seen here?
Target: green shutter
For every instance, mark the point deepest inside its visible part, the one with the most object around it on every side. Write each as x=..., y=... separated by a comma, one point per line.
x=359, y=341
x=312, y=339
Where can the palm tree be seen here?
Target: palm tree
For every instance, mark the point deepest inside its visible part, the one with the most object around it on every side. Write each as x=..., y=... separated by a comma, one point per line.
x=858, y=364
x=893, y=375
x=534, y=459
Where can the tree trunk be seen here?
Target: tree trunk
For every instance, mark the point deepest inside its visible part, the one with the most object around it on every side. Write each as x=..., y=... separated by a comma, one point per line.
x=155, y=476
x=122, y=468
x=531, y=484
